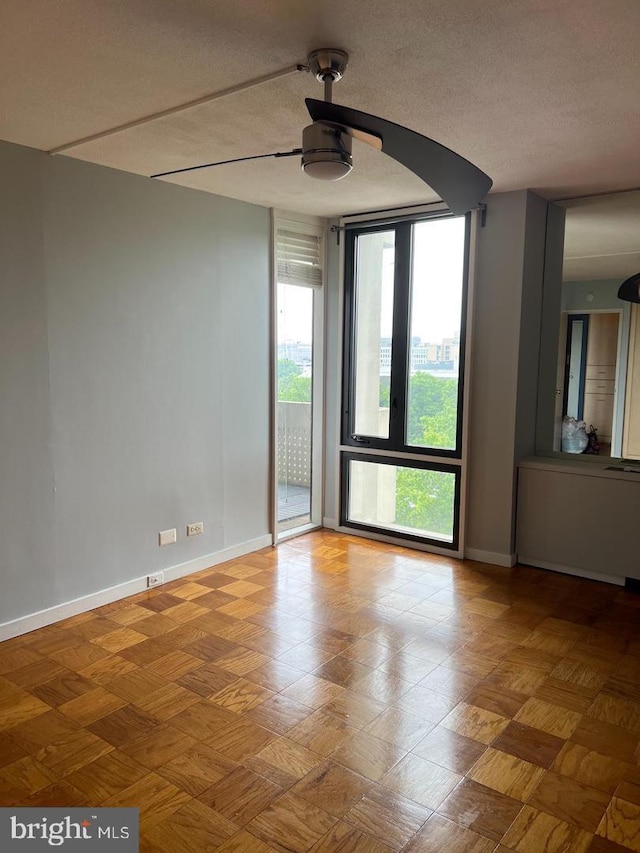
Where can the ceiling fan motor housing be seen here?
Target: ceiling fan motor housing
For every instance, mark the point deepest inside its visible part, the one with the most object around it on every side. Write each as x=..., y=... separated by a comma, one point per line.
x=326, y=152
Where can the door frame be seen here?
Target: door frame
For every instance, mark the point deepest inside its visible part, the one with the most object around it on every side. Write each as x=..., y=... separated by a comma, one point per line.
x=304, y=225
x=620, y=387
x=571, y=319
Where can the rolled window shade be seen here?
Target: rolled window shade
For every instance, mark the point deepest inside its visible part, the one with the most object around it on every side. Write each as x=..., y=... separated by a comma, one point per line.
x=298, y=258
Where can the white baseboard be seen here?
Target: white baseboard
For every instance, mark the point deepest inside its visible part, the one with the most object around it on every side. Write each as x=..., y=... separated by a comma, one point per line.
x=30, y=622
x=569, y=570
x=493, y=557
x=331, y=523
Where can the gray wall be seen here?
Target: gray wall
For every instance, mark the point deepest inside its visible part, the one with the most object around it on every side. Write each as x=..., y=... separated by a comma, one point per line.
x=504, y=364
x=133, y=376
x=27, y=530
x=333, y=379
x=604, y=291
x=548, y=400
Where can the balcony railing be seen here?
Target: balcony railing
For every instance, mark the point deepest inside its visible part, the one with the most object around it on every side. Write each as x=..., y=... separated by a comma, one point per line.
x=294, y=443
x=294, y=463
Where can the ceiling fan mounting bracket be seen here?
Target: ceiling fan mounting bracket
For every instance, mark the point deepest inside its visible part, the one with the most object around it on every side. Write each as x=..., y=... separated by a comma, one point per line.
x=328, y=63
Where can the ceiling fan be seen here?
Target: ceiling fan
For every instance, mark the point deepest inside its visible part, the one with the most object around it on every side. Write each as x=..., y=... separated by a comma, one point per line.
x=326, y=144
x=629, y=290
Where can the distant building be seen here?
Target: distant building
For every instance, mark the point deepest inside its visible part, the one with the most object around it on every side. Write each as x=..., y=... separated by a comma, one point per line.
x=296, y=351
x=432, y=357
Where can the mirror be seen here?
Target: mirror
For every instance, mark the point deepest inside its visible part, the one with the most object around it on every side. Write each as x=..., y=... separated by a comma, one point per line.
x=598, y=348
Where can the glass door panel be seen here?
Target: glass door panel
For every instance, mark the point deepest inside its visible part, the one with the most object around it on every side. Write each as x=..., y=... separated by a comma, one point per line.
x=436, y=318
x=374, y=284
x=295, y=405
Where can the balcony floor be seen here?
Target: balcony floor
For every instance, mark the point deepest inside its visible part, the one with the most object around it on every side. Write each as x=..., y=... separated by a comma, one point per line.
x=293, y=502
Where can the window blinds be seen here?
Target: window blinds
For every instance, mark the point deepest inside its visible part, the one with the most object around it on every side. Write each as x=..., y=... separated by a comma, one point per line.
x=298, y=258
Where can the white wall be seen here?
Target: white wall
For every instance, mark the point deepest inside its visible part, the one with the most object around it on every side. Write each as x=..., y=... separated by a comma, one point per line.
x=134, y=376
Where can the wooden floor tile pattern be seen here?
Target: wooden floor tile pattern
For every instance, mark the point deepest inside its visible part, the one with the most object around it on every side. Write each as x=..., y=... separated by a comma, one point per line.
x=337, y=694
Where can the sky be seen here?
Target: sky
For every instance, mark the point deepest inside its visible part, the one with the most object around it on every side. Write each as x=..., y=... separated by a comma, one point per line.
x=438, y=257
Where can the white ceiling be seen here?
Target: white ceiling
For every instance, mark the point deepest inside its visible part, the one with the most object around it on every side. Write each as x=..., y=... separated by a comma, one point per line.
x=602, y=237
x=538, y=93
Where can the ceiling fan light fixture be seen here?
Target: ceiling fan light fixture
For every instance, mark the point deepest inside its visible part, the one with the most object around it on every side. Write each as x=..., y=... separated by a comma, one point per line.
x=326, y=152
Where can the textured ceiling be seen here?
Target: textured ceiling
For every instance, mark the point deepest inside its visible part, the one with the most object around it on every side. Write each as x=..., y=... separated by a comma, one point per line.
x=538, y=93
x=602, y=237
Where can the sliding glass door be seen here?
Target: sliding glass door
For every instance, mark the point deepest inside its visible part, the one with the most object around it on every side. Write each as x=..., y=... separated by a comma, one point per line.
x=405, y=321
x=295, y=405
x=298, y=404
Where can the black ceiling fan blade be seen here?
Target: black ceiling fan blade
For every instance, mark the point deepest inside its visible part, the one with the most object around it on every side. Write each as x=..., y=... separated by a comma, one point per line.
x=226, y=162
x=457, y=181
x=630, y=289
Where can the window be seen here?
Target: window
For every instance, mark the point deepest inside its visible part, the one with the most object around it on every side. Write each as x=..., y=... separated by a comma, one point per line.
x=405, y=318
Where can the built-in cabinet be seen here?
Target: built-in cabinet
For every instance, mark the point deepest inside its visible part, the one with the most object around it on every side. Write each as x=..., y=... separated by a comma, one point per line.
x=599, y=396
x=579, y=517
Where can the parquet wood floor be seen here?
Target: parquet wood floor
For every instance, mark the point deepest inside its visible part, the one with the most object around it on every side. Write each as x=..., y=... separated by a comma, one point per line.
x=337, y=694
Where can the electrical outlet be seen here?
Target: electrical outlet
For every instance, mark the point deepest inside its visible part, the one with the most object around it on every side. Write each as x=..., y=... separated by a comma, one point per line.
x=195, y=528
x=167, y=537
x=155, y=580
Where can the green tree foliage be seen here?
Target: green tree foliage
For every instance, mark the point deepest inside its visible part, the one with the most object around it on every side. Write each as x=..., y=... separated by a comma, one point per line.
x=425, y=499
x=292, y=387
x=433, y=403
x=385, y=390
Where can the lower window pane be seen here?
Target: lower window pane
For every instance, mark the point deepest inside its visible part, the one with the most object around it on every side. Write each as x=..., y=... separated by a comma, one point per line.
x=415, y=501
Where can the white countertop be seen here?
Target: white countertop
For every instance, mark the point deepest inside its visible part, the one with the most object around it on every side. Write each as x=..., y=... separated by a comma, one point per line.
x=584, y=466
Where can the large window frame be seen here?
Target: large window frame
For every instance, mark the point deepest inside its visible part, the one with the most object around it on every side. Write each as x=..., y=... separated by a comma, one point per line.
x=419, y=465
x=395, y=449
x=400, y=355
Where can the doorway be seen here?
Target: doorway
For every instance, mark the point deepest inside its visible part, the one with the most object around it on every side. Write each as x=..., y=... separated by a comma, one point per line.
x=594, y=375
x=298, y=393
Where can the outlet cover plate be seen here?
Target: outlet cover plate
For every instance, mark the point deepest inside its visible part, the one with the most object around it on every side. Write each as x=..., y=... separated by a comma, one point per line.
x=156, y=579
x=168, y=537
x=195, y=528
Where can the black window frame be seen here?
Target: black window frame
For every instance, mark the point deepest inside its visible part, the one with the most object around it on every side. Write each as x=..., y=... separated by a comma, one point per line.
x=347, y=457
x=400, y=343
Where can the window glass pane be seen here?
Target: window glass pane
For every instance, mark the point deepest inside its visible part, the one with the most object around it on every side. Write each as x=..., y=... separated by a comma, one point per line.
x=416, y=501
x=375, y=256
x=437, y=278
